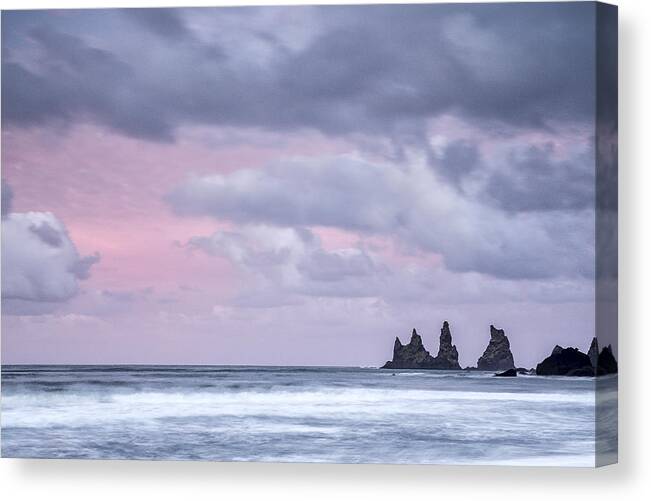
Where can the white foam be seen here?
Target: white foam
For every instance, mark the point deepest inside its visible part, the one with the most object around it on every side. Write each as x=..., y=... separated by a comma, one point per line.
x=88, y=408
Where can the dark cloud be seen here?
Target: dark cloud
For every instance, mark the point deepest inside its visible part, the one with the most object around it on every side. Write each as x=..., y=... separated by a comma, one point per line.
x=533, y=180
x=459, y=159
x=607, y=166
x=368, y=69
x=75, y=81
x=166, y=23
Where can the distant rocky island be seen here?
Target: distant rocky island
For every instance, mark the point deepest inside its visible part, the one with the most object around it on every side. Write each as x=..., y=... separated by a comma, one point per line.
x=573, y=362
x=498, y=357
x=415, y=356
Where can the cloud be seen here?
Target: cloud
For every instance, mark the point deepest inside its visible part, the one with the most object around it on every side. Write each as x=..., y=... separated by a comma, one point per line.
x=166, y=23
x=47, y=233
x=533, y=179
x=342, y=192
x=332, y=69
x=520, y=173
x=39, y=261
x=458, y=159
x=77, y=82
x=282, y=267
x=292, y=261
x=406, y=204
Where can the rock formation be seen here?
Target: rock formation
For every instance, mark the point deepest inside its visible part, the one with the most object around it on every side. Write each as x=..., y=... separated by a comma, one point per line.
x=415, y=356
x=410, y=356
x=593, y=352
x=497, y=356
x=447, y=357
x=572, y=362
x=565, y=362
x=606, y=363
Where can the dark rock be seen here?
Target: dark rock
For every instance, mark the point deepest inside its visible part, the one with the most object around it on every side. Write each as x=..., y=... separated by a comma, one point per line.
x=564, y=361
x=606, y=363
x=507, y=373
x=497, y=356
x=593, y=352
x=582, y=372
x=447, y=357
x=415, y=356
x=410, y=356
x=524, y=370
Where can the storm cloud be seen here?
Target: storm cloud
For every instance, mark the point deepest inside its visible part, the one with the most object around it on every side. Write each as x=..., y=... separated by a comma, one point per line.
x=333, y=70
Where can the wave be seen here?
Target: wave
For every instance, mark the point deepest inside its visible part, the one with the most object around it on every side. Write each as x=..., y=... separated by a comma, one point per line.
x=67, y=409
x=336, y=415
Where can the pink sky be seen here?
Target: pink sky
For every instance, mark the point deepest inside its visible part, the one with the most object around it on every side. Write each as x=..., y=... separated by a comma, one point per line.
x=235, y=193
x=108, y=190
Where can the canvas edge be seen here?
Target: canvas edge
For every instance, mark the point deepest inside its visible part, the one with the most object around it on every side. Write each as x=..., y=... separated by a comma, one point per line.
x=606, y=223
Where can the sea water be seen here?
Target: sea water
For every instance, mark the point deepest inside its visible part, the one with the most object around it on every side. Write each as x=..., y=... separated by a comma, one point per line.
x=299, y=414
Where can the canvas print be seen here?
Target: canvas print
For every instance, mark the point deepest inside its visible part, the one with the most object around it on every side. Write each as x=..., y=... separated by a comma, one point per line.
x=345, y=234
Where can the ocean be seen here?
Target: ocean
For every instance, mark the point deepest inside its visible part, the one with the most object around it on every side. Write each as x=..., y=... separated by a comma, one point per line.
x=299, y=414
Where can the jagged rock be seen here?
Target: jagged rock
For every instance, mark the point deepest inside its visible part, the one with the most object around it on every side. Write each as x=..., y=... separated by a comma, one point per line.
x=447, y=357
x=593, y=352
x=565, y=362
x=410, y=356
x=507, y=373
x=606, y=363
x=415, y=356
x=524, y=370
x=497, y=356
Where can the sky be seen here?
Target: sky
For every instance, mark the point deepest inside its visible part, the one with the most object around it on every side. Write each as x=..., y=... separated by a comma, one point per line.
x=297, y=185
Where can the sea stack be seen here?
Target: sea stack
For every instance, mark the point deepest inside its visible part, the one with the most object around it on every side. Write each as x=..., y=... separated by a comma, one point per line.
x=572, y=362
x=606, y=363
x=566, y=362
x=410, y=356
x=415, y=356
x=447, y=357
x=497, y=356
x=593, y=352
